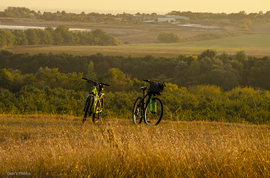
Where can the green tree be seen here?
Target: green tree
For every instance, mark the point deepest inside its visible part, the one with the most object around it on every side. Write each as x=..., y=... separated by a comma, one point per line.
x=83, y=38
x=57, y=38
x=194, y=69
x=256, y=74
x=90, y=72
x=167, y=37
x=103, y=39
x=180, y=73
x=10, y=38
x=208, y=53
x=117, y=80
x=237, y=65
x=5, y=81
x=225, y=77
x=67, y=36
x=44, y=36
x=102, y=67
x=224, y=57
x=20, y=37
x=241, y=56
x=266, y=74
x=3, y=41
x=31, y=36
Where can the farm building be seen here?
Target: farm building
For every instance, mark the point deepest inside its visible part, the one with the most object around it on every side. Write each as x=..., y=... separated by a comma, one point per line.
x=166, y=19
x=160, y=18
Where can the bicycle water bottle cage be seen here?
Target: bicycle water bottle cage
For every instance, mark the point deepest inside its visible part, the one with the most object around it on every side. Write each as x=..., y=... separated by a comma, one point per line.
x=143, y=88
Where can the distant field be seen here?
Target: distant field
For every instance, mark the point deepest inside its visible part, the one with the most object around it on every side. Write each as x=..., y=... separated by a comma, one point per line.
x=133, y=33
x=61, y=146
x=255, y=45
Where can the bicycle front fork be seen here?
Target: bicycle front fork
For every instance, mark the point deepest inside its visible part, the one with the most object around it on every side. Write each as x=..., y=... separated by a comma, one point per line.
x=153, y=105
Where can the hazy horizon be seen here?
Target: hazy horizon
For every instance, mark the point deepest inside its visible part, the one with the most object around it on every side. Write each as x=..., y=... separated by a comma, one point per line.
x=142, y=6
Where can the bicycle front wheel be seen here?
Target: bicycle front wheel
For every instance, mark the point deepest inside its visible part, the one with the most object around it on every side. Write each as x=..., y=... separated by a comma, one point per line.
x=153, y=112
x=98, y=110
x=87, y=108
x=137, y=112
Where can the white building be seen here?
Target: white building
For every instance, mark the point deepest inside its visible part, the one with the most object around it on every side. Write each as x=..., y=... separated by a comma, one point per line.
x=166, y=19
x=177, y=17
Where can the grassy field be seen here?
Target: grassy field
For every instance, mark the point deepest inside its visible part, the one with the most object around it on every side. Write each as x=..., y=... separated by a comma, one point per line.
x=134, y=33
x=254, y=45
x=60, y=146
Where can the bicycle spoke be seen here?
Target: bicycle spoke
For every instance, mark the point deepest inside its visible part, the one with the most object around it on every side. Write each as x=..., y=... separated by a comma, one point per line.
x=87, y=109
x=97, y=95
x=137, y=113
x=98, y=110
x=153, y=112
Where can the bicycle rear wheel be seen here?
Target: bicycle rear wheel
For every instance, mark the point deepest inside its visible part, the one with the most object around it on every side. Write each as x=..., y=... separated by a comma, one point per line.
x=98, y=110
x=87, y=108
x=137, y=112
x=153, y=112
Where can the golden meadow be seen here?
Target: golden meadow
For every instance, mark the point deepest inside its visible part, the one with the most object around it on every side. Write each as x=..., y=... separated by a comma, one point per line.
x=60, y=146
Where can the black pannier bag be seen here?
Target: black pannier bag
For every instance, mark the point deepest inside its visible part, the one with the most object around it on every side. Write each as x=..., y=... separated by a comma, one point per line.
x=156, y=88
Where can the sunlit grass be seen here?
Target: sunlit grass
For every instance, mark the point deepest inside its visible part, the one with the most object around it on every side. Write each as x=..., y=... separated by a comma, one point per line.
x=62, y=146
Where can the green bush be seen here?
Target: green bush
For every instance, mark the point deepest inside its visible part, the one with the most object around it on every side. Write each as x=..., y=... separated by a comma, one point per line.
x=167, y=37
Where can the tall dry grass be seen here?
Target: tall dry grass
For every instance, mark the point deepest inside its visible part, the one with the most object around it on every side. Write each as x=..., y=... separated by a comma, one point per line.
x=60, y=146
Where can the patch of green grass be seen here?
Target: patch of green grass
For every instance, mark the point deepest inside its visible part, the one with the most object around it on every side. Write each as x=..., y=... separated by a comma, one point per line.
x=240, y=42
x=254, y=45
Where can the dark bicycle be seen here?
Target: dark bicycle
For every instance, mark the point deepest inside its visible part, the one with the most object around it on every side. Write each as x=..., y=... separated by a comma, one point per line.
x=152, y=109
x=95, y=102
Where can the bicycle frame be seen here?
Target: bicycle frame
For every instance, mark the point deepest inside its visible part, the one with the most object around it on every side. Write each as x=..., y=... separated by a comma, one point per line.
x=153, y=105
x=96, y=95
x=149, y=107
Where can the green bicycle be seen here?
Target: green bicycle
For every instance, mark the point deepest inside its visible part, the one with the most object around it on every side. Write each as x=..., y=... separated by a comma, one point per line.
x=152, y=110
x=95, y=102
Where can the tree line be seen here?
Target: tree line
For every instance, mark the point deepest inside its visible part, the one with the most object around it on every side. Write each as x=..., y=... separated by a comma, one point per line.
x=224, y=70
x=204, y=87
x=58, y=36
x=240, y=18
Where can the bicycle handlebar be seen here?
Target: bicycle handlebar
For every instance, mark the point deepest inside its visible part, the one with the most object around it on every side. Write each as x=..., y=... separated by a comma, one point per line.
x=96, y=83
x=149, y=81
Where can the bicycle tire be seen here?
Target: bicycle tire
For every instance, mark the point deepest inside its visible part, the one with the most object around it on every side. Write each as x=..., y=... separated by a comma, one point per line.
x=137, y=112
x=87, y=108
x=99, y=106
x=153, y=117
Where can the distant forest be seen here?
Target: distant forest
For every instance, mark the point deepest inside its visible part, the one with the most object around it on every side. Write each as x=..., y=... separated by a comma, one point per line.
x=58, y=36
x=242, y=18
x=225, y=71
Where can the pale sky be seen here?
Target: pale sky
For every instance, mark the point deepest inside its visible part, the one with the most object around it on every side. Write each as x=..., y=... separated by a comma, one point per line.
x=142, y=6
